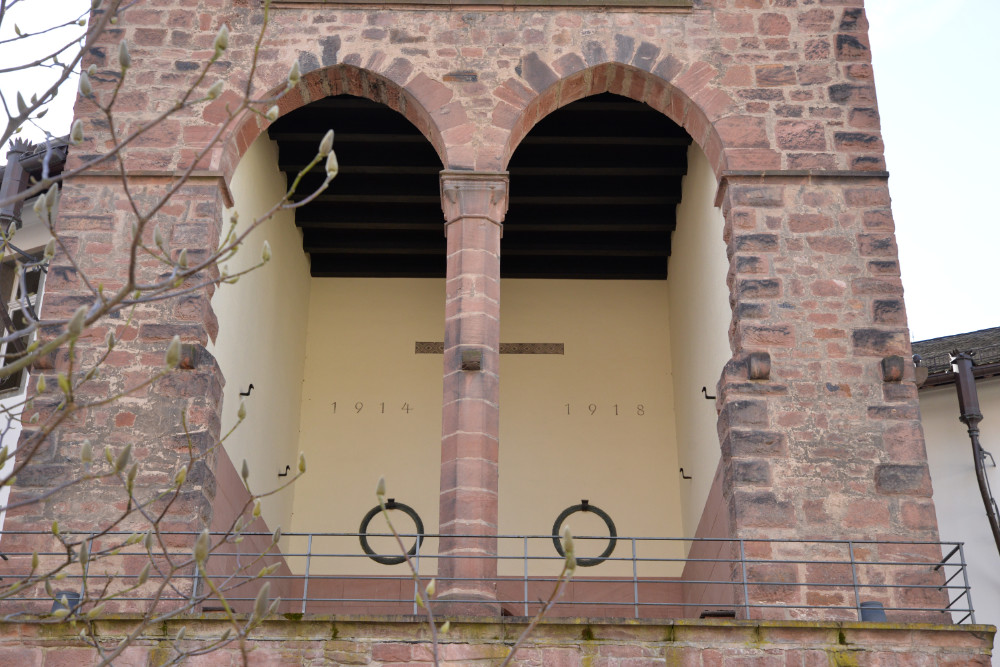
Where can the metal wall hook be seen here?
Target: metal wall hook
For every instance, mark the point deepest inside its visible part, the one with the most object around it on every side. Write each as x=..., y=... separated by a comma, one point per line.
x=247, y=392
x=704, y=390
x=683, y=476
x=287, y=468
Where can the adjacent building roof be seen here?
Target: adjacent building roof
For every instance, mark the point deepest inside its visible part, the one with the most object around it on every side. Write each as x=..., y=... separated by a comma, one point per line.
x=935, y=354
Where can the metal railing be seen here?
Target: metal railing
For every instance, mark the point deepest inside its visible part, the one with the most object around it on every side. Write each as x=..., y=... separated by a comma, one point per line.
x=644, y=577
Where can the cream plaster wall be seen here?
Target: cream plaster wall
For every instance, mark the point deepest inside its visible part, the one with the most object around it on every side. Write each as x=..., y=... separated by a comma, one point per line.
x=961, y=516
x=699, y=332
x=617, y=358
x=262, y=326
x=360, y=355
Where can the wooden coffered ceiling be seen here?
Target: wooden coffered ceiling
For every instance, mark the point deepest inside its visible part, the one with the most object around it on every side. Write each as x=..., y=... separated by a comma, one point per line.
x=593, y=192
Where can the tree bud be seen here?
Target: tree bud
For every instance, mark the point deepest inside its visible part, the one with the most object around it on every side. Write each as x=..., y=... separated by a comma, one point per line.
x=201, y=547
x=221, y=40
x=173, y=356
x=76, y=132
x=123, y=458
x=75, y=326
x=85, y=88
x=326, y=145
x=214, y=91
x=332, y=166
x=124, y=59
x=272, y=113
x=260, y=604
x=294, y=75
x=143, y=574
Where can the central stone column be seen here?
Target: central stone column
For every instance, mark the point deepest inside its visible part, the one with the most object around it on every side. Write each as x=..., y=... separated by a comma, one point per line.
x=474, y=205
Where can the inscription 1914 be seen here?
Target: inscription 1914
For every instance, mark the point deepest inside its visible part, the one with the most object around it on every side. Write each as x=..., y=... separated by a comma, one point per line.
x=377, y=408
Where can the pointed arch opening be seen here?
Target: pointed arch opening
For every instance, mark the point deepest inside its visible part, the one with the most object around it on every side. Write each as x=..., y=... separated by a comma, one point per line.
x=613, y=247
x=325, y=331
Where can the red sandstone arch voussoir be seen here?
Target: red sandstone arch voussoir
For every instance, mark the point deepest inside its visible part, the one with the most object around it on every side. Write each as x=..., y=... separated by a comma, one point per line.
x=419, y=99
x=683, y=92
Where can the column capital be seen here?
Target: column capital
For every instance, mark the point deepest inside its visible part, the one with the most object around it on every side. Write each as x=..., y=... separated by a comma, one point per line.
x=474, y=194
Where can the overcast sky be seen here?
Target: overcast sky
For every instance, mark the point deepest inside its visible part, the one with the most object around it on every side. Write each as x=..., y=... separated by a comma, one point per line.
x=936, y=76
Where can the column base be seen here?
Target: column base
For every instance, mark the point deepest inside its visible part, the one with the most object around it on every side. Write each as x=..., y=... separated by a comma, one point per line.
x=466, y=603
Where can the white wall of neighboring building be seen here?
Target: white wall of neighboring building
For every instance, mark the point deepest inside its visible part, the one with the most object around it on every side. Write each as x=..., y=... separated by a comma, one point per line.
x=32, y=235
x=960, y=512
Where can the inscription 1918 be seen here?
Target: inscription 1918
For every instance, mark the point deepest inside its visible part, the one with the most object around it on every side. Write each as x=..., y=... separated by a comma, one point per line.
x=639, y=410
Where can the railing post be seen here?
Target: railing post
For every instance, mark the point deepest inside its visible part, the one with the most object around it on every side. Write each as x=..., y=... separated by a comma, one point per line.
x=525, y=575
x=965, y=577
x=854, y=579
x=635, y=580
x=305, y=583
x=746, y=589
x=416, y=565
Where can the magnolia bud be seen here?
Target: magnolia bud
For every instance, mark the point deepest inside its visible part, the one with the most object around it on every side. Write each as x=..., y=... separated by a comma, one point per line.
x=173, y=356
x=260, y=604
x=201, y=547
x=123, y=457
x=302, y=462
x=294, y=75
x=182, y=259
x=86, y=452
x=92, y=70
x=380, y=488
x=143, y=574
x=221, y=40
x=85, y=88
x=265, y=252
x=272, y=113
x=214, y=91
x=41, y=384
x=124, y=59
x=158, y=236
x=76, y=132
x=245, y=471
x=50, y=197
x=50, y=249
x=75, y=326
x=130, y=478
x=241, y=413
x=332, y=166
x=326, y=145
x=180, y=476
